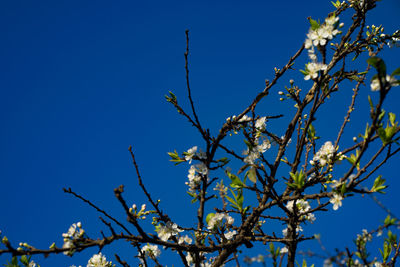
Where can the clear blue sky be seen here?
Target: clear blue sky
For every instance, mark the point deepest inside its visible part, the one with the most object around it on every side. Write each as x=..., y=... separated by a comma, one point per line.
x=82, y=80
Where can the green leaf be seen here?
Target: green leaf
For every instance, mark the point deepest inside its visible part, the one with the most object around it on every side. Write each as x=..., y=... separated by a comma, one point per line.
x=236, y=182
x=252, y=174
x=382, y=135
x=392, y=119
x=314, y=24
x=389, y=221
x=175, y=157
x=24, y=260
x=171, y=98
x=396, y=72
x=379, y=185
x=336, y=4
x=298, y=179
x=370, y=102
x=353, y=158
x=379, y=65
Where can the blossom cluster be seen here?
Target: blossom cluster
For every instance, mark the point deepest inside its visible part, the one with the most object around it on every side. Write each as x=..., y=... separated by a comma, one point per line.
x=318, y=36
x=149, y=250
x=375, y=84
x=191, y=261
x=98, y=260
x=75, y=232
x=193, y=153
x=259, y=125
x=324, y=154
x=285, y=231
x=168, y=230
x=253, y=153
x=217, y=219
x=303, y=207
x=195, y=173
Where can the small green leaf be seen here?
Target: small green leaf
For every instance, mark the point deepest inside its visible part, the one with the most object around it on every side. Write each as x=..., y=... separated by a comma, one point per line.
x=209, y=217
x=252, y=174
x=396, y=72
x=314, y=24
x=304, y=72
x=379, y=185
x=236, y=182
x=378, y=64
x=24, y=260
x=392, y=119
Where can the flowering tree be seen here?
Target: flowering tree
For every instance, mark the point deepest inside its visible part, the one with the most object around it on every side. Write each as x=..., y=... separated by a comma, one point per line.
x=289, y=188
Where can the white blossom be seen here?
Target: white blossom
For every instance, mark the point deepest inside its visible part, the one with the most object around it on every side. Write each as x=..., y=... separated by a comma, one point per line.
x=190, y=153
x=327, y=263
x=75, y=232
x=336, y=200
x=302, y=207
x=194, y=175
x=98, y=260
x=324, y=155
x=229, y=235
x=285, y=231
x=165, y=232
x=260, y=124
x=284, y=250
x=245, y=118
x=217, y=219
x=254, y=153
x=375, y=85
x=149, y=250
x=312, y=70
x=184, y=239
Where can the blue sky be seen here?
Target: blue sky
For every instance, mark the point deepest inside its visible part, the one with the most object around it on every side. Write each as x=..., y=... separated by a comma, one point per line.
x=83, y=80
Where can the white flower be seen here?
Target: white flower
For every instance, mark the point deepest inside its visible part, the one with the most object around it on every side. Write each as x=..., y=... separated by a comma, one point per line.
x=184, y=239
x=151, y=251
x=194, y=175
x=331, y=20
x=379, y=233
x=302, y=207
x=251, y=157
x=32, y=264
x=98, y=260
x=75, y=232
x=254, y=153
x=245, y=118
x=325, y=154
x=165, y=232
x=336, y=200
x=266, y=144
x=378, y=264
x=190, y=153
x=284, y=250
x=285, y=231
x=313, y=69
x=260, y=124
x=218, y=218
x=375, y=85
x=328, y=263
x=229, y=235
x=70, y=245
